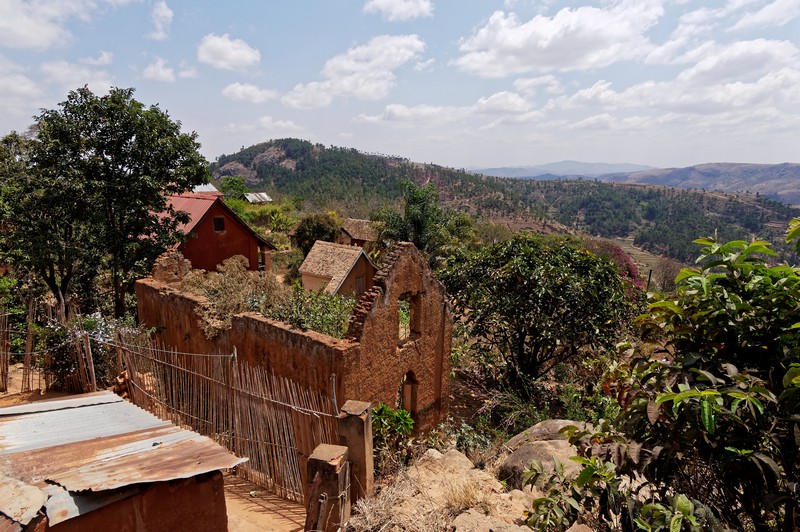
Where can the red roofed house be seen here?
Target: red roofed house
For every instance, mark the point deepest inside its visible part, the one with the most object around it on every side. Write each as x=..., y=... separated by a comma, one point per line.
x=217, y=233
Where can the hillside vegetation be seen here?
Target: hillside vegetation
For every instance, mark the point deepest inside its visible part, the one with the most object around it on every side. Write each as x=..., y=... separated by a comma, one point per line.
x=662, y=220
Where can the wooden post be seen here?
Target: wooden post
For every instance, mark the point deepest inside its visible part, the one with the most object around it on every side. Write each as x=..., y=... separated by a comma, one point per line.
x=330, y=510
x=355, y=433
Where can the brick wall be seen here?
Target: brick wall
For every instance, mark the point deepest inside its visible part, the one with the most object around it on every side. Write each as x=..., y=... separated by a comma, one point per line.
x=370, y=364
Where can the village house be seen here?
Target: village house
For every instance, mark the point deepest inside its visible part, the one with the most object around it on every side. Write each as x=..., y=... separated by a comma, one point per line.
x=218, y=233
x=97, y=462
x=337, y=269
x=355, y=232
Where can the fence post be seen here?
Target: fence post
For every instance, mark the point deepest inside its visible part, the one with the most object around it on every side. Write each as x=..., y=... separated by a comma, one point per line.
x=329, y=509
x=355, y=433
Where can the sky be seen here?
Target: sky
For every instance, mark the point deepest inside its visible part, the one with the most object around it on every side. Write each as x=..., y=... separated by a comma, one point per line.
x=460, y=83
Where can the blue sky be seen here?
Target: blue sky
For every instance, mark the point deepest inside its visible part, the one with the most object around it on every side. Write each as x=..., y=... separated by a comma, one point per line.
x=463, y=83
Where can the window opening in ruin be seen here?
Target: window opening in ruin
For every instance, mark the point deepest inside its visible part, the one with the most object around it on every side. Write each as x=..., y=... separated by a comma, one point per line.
x=219, y=224
x=408, y=327
x=409, y=393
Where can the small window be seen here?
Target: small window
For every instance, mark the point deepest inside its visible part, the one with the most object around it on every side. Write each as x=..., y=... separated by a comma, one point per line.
x=219, y=224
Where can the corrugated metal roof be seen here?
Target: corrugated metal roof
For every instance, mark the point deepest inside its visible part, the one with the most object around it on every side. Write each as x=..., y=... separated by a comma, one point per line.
x=257, y=197
x=20, y=501
x=96, y=443
x=196, y=205
x=206, y=188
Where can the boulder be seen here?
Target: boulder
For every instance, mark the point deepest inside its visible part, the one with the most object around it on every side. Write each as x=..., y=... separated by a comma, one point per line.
x=513, y=468
x=476, y=521
x=545, y=430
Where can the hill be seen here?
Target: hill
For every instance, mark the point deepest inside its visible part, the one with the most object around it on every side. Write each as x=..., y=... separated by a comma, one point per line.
x=775, y=181
x=660, y=219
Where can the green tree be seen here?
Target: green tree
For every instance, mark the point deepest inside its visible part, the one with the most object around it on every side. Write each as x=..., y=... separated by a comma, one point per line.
x=233, y=187
x=89, y=188
x=535, y=301
x=316, y=227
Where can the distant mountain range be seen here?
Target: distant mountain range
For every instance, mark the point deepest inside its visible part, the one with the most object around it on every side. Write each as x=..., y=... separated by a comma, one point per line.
x=776, y=181
x=563, y=169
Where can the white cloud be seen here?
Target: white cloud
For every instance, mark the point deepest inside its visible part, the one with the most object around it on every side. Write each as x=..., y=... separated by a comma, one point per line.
x=265, y=124
x=573, y=39
x=105, y=58
x=530, y=86
x=18, y=93
x=500, y=104
x=398, y=10
x=364, y=72
x=223, y=52
x=777, y=13
x=161, y=17
x=159, y=71
x=741, y=61
x=70, y=76
x=41, y=24
x=245, y=92
x=187, y=70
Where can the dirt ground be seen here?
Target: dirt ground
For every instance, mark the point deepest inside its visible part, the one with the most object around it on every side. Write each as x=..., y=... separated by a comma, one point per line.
x=252, y=509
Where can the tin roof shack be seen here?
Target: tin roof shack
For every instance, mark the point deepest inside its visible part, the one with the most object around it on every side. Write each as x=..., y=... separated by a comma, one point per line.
x=219, y=233
x=337, y=269
x=355, y=232
x=382, y=352
x=97, y=462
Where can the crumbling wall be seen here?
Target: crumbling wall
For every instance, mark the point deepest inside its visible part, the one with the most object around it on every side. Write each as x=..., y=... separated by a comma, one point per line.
x=411, y=372
x=373, y=363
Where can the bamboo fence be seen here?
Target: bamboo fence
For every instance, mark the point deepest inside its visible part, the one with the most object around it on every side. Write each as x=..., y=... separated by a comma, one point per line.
x=273, y=421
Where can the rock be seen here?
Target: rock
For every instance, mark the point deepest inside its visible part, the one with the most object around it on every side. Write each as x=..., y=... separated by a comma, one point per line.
x=474, y=520
x=545, y=430
x=513, y=468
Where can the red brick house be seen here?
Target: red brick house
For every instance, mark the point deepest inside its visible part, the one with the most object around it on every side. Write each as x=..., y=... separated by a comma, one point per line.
x=218, y=233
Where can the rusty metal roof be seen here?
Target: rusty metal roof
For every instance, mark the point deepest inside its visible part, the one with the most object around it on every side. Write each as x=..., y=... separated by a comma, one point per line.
x=71, y=449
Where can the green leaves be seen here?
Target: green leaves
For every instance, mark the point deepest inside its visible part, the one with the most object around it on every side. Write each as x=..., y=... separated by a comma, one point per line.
x=534, y=301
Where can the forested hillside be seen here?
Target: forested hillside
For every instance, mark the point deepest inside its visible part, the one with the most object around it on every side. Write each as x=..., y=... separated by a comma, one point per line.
x=663, y=220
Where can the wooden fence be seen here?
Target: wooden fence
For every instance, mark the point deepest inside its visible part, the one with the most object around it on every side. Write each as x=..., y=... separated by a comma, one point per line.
x=270, y=420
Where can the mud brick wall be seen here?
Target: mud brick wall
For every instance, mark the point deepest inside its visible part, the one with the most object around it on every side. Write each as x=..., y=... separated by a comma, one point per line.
x=386, y=361
x=373, y=363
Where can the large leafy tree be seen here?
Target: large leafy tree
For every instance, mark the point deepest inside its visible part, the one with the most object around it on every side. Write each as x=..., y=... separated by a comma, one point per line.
x=535, y=301
x=88, y=189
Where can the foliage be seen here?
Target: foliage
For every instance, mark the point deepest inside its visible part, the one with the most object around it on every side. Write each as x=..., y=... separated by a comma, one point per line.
x=233, y=289
x=536, y=301
x=391, y=437
x=233, y=187
x=720, y=394
x=89, y=189
x=609, y=250
x=316, y=227
x=431, y=229
x=319, y=311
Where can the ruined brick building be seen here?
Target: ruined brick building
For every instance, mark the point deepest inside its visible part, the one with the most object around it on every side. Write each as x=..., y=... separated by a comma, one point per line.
x=377, y=361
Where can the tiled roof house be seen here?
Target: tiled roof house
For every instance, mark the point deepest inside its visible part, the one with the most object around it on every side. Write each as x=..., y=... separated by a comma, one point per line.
x=337, y=269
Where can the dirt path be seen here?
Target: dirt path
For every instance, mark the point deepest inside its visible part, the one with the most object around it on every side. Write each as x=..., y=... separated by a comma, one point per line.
x=251, y=509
